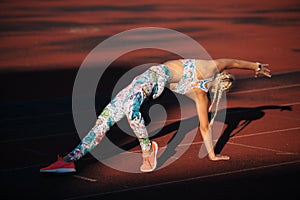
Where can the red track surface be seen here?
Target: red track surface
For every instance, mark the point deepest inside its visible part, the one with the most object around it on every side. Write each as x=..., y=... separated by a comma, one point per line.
x=43, y=45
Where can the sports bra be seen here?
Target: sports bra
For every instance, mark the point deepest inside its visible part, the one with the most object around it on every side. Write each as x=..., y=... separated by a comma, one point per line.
x=189, y=78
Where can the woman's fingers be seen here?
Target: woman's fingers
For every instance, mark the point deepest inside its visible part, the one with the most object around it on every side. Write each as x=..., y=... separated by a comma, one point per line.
x=264, y=71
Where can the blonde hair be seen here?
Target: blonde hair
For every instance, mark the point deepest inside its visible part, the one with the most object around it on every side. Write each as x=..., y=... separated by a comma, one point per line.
x=223, y=83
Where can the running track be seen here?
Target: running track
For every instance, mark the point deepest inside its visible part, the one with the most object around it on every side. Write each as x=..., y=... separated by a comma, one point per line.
x=261, y=136
x=43, y=44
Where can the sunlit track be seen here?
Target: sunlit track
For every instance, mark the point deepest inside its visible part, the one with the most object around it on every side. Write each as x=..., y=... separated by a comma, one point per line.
x=290, y=104
x=264, y=149
x=267, y=132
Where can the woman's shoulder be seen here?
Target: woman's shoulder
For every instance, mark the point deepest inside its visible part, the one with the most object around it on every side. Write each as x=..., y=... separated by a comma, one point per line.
x=206, y=68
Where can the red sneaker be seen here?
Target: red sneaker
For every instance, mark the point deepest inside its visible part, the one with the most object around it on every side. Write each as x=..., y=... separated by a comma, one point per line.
x=59, y=166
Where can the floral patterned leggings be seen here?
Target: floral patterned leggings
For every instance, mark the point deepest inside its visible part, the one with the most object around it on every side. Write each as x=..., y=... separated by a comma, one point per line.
x=127, y=103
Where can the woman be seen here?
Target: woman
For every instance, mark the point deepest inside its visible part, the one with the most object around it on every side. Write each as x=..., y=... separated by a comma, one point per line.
x=190, y=77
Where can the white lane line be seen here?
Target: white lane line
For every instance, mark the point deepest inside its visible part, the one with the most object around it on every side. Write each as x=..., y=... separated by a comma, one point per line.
x=85, y=178
x=263, y=148
x=290, y=104
x=189, y=179
x=267, y=132
x=265, y=89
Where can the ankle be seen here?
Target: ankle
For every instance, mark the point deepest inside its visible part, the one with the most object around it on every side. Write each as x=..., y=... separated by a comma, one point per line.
x=67, y=159
x=147, y=153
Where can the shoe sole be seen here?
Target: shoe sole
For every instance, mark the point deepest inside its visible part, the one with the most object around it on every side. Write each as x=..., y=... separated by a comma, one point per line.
x=155, y=153
x=61, y=170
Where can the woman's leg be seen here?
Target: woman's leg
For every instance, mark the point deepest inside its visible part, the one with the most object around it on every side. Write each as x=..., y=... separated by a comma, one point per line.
x=152, y=82
x=137, y=124
x=105, y=121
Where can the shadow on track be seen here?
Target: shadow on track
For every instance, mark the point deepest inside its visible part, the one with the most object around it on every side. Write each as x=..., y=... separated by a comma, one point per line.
x=236, y=120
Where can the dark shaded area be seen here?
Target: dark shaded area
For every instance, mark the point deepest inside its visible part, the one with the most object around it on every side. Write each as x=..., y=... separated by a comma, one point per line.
x=108, y=8
x=27, y=86
x=263, y=184
x=279, y=182
x=296, y=9
x=296, y=50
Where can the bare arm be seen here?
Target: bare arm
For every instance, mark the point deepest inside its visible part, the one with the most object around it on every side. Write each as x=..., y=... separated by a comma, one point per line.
x=258, y=68
x=202, y=102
